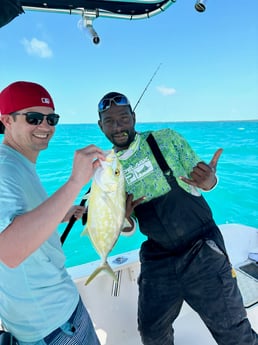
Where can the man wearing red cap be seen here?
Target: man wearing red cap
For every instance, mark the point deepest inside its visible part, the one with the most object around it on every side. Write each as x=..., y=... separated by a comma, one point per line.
x=39, y=302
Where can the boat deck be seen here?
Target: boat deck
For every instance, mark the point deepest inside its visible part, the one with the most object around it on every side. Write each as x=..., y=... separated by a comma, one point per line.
x=113, y=306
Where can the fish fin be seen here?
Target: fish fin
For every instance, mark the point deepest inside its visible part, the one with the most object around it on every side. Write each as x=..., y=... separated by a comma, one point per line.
x=85, y=217
x=105, y=267
x=126, y=224
x=85, y=232
x=85, y=200
x=86, y=195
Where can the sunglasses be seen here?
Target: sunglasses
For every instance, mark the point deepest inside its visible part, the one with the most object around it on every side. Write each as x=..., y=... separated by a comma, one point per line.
x=34, y=118
x=105, y=103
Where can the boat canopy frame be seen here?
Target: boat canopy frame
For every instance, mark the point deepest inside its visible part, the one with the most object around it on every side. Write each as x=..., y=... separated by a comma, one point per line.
x=122, y=9
x=134, y=9
x=88, y=9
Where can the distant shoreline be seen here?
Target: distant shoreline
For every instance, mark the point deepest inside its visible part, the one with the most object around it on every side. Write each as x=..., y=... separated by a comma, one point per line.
x=139, y=122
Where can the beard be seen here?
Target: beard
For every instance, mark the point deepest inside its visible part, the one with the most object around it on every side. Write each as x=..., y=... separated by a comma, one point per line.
x=123, y=139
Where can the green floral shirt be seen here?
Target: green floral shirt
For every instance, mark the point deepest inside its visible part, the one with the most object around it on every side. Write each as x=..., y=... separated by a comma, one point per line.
x=142, y=173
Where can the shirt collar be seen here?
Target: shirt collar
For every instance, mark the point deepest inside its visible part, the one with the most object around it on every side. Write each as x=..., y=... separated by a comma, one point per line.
x=133, y=147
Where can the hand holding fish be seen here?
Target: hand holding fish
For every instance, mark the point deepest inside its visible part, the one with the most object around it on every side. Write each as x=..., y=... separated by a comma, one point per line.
x=76, y=210
x=203, y=175
x=85, y=162
x=130, y=205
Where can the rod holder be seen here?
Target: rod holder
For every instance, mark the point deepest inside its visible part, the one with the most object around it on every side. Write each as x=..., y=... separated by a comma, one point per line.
x=87, y=22
x=116, y=284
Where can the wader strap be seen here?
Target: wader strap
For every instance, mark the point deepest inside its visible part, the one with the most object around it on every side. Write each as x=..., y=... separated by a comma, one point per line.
x=159, y=156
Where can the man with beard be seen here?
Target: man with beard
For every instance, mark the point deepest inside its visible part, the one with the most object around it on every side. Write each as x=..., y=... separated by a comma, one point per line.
x=184, y=257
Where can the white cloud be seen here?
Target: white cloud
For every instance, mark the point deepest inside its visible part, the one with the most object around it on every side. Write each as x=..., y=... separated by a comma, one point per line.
x=37, y=47
x=166, y=91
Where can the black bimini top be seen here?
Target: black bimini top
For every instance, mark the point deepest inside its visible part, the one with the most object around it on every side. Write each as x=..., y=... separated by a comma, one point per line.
x=135, y=9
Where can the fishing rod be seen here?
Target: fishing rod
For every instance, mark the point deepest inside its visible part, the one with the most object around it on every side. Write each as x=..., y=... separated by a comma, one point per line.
x=73, y=219
x=146, y=87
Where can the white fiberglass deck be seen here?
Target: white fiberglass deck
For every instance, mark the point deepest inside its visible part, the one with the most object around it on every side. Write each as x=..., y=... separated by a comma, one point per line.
x=113, y=307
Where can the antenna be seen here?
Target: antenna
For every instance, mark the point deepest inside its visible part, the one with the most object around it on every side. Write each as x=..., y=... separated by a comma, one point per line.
x=146, y=87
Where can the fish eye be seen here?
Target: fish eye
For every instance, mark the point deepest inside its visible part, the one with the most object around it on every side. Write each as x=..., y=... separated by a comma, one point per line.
x=117, y=172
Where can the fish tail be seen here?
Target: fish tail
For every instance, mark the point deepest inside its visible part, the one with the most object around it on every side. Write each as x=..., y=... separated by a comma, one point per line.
x=105, y=267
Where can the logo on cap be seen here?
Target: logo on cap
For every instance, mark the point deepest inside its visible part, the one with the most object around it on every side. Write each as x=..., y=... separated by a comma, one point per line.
x=45, y=100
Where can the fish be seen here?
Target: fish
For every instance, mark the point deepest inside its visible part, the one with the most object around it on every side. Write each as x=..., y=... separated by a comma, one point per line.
x=106, y=203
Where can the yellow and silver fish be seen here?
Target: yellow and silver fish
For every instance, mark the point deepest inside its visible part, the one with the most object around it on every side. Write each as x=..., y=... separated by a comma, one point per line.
x=106, y=210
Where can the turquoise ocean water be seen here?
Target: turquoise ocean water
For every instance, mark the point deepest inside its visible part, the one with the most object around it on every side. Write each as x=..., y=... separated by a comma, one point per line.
x=234, y=200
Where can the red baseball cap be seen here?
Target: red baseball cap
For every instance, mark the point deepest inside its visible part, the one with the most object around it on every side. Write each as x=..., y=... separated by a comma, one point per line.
x=24, y=94
x=21, y=95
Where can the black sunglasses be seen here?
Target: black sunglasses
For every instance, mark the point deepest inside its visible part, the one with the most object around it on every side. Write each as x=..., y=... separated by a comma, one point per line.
x=34, y=118
x=105, y=103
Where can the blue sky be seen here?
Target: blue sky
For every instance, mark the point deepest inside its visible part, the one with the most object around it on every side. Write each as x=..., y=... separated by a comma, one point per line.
x=209, y=61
